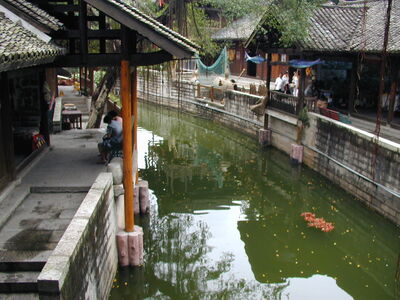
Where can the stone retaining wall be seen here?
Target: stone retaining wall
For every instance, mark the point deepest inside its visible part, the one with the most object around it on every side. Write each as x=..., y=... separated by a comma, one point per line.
x=351, y=158
x=85, y=261
x=342, y=153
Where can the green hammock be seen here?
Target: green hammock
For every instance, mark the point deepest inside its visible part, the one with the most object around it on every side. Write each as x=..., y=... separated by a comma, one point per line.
x=218, y=69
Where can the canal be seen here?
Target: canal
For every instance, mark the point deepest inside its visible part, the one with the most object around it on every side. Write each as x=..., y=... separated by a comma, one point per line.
x=225, y=223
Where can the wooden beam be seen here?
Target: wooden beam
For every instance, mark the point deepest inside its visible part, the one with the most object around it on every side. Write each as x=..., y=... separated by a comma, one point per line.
x=125, y=42
x=62, y=8
x=302, y=83
x=25, y=17
x=267, y=83
x=353, y=84
x=6, y=125
x=83, y=30
x=141, y=27
x=112, y=59
x=91, y=34
x=102, y=26
x=393, y=89
x=127, y=145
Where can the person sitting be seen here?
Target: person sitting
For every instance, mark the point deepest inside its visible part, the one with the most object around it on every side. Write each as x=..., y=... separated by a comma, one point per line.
x=115, y=116
x=311, y=90
x=112, y=139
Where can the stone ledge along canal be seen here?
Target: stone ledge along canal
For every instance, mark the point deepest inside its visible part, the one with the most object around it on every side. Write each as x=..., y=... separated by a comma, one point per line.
x=225, y=223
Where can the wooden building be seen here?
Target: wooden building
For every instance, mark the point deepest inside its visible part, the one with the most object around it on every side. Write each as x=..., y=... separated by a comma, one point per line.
x=27, y=83
x=349, y=38
x=235, y=36
x=39, y=36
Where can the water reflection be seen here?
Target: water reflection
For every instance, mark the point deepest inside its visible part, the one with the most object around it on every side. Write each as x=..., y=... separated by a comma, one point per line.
x=226, y=223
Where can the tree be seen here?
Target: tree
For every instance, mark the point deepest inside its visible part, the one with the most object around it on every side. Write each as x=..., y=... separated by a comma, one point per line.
x=99, y=97
x=287, y=20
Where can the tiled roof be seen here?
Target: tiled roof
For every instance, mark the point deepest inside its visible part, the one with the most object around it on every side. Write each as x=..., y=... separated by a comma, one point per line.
x=343, y=27
x=332, y=28
x=155, y=25
x=21, y=48
x=36, y=13
x=372, y=40
x=339, y=28
x=240, y=29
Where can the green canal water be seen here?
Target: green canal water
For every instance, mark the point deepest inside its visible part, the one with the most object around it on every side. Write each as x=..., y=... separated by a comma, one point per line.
x=225, y=223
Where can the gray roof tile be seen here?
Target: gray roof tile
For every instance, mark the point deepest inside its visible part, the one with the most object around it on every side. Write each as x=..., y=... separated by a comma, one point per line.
x=19, y=46
x=240, y=29
x=36, y=13
x=155, y=25
x=341, y=27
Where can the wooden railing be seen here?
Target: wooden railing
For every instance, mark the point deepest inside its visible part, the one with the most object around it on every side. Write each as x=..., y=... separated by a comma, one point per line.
x=289, y=103
x=284, y=102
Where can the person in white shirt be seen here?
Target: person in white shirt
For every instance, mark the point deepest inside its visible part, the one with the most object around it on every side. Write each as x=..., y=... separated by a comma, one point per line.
x=285, y=83
x=278, y=83
x=295, y=81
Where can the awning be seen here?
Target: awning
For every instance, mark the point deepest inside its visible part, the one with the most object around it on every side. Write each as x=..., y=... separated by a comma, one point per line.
x=301, y=64
x=255, y=59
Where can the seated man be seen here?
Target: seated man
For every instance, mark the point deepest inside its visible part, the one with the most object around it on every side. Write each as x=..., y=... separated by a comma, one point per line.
x=112, y=139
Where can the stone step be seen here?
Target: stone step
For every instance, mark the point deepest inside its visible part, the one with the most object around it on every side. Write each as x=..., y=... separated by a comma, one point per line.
x=19, y=296
x=10, y=202
x=23, y=260
x=18, y=282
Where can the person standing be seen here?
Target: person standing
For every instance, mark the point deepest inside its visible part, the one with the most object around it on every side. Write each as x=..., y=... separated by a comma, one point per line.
x=295, y=81
x=278, y=83
x=285, y=83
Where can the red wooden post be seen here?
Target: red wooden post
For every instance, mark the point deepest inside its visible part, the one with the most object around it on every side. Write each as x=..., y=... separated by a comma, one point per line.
x=127, y=145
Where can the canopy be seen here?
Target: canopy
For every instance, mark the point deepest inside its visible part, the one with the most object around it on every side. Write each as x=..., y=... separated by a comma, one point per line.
x=255, y=59
x=301, y=64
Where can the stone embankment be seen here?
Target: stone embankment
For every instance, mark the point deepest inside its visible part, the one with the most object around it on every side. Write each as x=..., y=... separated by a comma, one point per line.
x=354, y=159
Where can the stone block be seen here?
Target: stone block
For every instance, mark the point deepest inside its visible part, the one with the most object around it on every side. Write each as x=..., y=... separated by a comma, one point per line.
x=103, y=181
x=118, y=190
x=72, y=238
x=144, y=200
x=115, y=167
x=264, y=137
x=52, y=276
x=296, y=154
x=120, y=212
x=136, y=206
x=89, y=203
x=123, y=248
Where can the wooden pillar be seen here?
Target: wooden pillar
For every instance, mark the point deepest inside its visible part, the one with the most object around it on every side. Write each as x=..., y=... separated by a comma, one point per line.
x=302, y=83
x=83, y=44
x=393, y=89
x=353, y=84
x=127, y=145
x=91, y=81
x=267, y=84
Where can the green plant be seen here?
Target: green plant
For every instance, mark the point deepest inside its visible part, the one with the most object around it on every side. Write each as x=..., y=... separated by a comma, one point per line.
x=303, y=117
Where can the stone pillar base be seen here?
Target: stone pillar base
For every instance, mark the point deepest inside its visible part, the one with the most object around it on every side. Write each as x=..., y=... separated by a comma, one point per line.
x=264, y=137
x=130, y=247
x=144, y=201
x=296, y=155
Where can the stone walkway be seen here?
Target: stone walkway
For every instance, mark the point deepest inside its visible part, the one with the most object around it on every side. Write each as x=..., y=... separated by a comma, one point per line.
x=36, y=213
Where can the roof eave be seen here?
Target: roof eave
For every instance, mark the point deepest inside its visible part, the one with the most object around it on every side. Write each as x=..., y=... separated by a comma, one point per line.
x=156, y=38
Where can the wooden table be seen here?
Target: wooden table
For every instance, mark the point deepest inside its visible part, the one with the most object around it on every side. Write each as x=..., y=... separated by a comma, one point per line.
x=74, y=117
